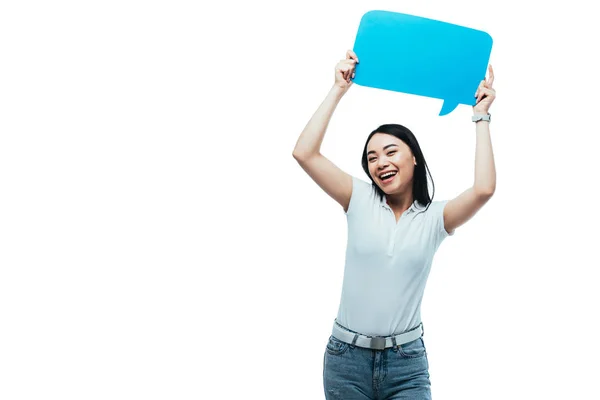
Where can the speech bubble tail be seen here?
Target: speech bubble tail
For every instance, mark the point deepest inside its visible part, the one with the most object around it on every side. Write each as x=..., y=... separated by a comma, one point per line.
x=448, y=107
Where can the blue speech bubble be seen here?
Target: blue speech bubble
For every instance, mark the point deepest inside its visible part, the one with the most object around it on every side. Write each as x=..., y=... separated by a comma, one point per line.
x=421, y=56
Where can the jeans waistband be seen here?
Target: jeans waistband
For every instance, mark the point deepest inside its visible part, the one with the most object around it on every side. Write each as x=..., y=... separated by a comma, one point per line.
x=375, y=342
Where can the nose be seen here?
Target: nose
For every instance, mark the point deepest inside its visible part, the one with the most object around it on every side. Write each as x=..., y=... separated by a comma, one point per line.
x=382, y=163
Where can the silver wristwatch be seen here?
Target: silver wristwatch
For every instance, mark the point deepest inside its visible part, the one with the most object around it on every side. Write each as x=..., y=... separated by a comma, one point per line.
x=479, y=117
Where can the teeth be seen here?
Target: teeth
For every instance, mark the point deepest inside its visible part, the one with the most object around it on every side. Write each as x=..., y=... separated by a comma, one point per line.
x=387, y=175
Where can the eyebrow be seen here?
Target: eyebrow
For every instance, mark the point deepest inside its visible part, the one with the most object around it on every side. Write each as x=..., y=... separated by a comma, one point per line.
x=389, y=145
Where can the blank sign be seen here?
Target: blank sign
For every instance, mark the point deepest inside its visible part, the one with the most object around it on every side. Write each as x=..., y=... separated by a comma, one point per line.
x=421, y=56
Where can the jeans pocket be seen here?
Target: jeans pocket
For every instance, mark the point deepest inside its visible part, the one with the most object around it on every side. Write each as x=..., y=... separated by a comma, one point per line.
x=335, y=346
x=414, y=349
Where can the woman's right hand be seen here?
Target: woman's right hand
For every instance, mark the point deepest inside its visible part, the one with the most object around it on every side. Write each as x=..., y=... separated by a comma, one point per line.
x=344, y=71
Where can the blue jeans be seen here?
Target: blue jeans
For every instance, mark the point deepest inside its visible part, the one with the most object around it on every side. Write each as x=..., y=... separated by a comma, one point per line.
x=352, y=372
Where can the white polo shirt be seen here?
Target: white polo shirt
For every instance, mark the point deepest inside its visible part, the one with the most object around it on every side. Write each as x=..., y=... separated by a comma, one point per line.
x=387, y=263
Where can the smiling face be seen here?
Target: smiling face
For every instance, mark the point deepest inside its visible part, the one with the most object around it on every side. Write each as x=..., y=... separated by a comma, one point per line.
x=391, y=163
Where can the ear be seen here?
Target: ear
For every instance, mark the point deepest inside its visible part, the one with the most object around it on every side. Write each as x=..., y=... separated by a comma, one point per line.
x=414, y=160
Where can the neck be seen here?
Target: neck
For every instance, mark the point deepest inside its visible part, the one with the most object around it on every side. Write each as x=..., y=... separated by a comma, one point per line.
x=399, y=201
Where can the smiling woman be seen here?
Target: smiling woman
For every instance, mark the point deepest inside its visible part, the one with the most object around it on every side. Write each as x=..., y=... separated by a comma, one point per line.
x=376, y=349
x=393, y=152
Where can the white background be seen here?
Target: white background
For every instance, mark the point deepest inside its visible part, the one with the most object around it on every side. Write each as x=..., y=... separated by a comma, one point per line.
x=158, y=240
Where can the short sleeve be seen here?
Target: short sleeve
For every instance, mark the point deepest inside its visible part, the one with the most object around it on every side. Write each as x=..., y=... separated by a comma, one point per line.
x=361, y=195
x=438, y=221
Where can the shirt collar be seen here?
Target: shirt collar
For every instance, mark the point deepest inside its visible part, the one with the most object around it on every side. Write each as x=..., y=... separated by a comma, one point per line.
x=413, y=207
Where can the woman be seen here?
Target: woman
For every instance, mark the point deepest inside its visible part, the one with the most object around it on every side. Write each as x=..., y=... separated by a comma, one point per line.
x=376, y=349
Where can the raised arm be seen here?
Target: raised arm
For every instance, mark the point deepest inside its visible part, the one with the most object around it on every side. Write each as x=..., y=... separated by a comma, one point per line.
x=335, y=182
x=462, y=208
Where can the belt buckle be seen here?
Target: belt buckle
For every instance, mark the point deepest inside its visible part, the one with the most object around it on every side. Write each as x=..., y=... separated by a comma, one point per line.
x=378, y=343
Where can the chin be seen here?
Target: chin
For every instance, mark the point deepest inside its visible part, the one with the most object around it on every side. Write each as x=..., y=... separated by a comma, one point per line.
x=391, y=189
x=387, y=190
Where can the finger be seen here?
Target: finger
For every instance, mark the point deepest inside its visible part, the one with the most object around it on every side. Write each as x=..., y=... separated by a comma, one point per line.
x=479, y=88
x=488, y=91
x=488, y=94
x=344, y=73
x=351, y=55
x=486, y=80
x=351, y=66
x=348, y=72
x=346, y=64
x=483, y=92
x=491, y=77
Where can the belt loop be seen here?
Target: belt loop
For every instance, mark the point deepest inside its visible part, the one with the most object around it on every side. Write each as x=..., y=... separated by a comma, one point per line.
x=394, y=342
x=354, y=340
x=422, y=330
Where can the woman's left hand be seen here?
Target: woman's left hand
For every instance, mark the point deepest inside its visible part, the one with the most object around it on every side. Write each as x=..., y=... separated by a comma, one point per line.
x=485, y=94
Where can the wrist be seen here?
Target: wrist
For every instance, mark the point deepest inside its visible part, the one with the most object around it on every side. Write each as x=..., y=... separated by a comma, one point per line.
x=337, y=91
x=480, y=117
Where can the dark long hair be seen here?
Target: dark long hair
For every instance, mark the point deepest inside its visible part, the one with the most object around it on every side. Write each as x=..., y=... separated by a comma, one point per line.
x=419, y=187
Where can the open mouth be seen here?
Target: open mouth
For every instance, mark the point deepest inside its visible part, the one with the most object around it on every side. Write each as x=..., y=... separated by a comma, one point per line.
x=388, y=176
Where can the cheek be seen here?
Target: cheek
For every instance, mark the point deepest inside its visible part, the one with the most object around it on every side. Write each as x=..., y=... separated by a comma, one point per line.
x=406, y=166
x=371, y=170
x=401, y=162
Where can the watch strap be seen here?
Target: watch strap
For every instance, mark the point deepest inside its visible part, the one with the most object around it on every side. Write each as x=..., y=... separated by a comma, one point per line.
x=481, y=117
